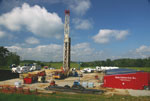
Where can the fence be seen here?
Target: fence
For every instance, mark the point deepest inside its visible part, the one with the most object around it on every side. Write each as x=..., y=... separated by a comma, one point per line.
x=9, y=89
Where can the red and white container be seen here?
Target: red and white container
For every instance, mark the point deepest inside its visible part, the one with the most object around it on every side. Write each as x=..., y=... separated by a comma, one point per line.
x=137, y=80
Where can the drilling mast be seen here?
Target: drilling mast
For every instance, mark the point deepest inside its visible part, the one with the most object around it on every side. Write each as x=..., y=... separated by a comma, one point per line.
x=67, y=41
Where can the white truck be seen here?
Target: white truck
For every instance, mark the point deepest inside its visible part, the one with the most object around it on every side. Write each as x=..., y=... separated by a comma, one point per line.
x=21, y=69
x=25, y=69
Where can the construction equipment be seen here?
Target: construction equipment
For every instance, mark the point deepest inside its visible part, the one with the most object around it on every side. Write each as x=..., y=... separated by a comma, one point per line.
x=74, y=73
x=60, y=74
x=66, y=52
x=52, y=83
x=76, y=85
x=41, y=79
x=32, y=78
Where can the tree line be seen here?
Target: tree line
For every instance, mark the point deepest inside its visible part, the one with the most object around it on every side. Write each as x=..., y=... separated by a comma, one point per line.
x=119, y=63
x=7, y=58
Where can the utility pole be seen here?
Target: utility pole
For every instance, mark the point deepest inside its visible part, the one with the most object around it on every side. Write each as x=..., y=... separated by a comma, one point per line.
x=67, y=42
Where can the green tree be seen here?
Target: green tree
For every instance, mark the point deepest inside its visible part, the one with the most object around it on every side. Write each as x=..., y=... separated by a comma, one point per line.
x=146, y=62
x=7, y=58
x=3, y=54
x=109, y=62
x=139, y=63
x=12, y=58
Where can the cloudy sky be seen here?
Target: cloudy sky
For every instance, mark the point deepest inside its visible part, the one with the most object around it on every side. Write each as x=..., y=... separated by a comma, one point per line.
x=99, y=29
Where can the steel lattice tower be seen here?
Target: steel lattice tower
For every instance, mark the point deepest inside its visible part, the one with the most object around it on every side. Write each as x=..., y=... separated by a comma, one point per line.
x=67, y=41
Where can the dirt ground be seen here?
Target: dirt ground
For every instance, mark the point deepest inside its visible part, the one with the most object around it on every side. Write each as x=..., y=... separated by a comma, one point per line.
x=87, y=77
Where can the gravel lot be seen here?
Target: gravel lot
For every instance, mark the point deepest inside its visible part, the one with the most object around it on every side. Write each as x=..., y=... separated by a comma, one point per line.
x=139, y=92
x=89, y=77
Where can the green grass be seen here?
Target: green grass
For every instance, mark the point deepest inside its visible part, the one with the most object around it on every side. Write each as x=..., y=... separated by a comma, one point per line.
x=55, y=64
x=68, y=97
x=60, y=64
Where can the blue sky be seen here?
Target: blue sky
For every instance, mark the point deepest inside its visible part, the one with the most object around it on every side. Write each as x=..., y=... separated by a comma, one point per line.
x=99, y=29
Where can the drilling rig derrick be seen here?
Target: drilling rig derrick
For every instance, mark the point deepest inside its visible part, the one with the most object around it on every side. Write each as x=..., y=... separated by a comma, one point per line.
x=67, y=41
x=66, y=51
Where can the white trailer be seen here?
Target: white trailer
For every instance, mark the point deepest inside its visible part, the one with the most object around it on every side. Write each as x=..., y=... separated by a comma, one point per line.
x=87, y=70
x=103, y=68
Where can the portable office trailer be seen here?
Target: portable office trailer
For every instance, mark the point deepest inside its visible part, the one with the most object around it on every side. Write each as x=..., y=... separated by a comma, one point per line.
x=135, y=80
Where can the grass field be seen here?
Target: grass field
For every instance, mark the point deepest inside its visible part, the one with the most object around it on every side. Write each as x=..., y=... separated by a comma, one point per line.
x=59, y=64
x=76, y=65
x=68, y=97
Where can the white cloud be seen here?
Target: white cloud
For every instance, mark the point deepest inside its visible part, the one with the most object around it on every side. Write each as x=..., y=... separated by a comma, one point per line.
x=32, y=40
x=79, y=7
x=82, y=23
x=143, y=48
x=44, y=1
x=84, y=52
x=107, y=35
x=35, y=19
x=79, y=52
x=81, y=49
x=6, y=36
x=140, y=52
x=2, y=34
x=52, y=52
x=143, y=51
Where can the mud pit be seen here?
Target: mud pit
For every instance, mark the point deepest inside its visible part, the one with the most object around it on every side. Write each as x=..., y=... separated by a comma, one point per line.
x=7, y=74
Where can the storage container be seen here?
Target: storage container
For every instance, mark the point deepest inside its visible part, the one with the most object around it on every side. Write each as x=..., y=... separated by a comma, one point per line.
x=90, y=84
x=85, y=84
